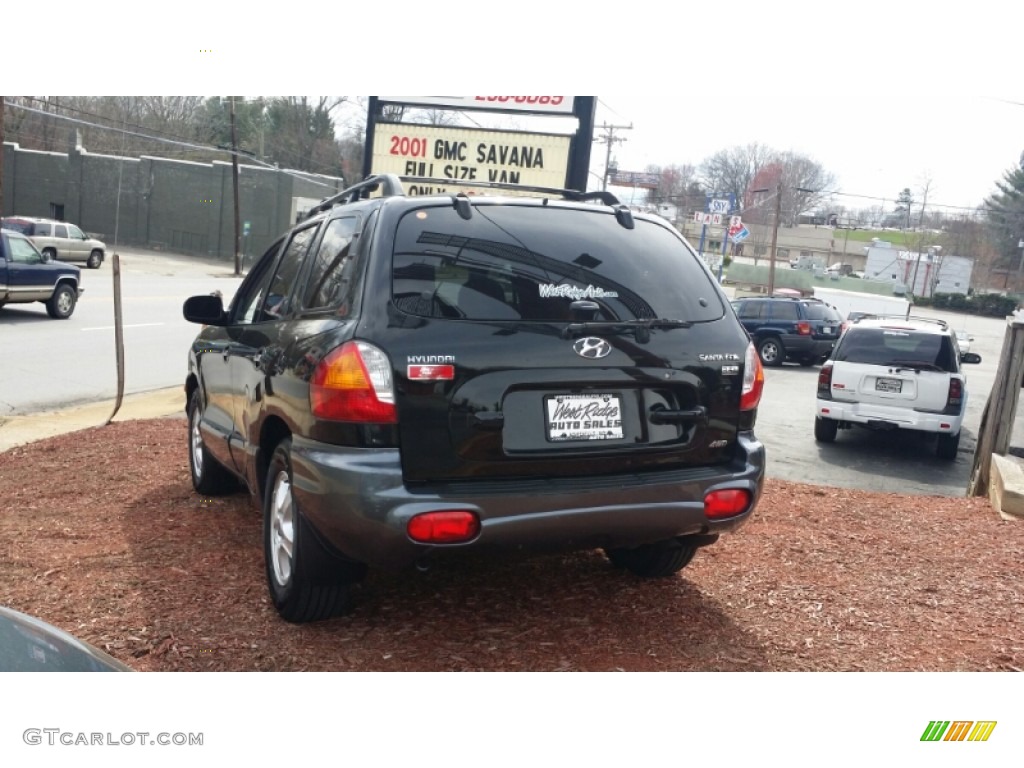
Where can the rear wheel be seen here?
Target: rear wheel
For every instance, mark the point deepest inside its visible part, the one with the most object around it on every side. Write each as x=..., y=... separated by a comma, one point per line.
x=654, y=561
x=825, y=429
x=62, y=303
x=209, y=476
x=95, y=259
x=947, y=446
x=307, y=581
x=771, y=351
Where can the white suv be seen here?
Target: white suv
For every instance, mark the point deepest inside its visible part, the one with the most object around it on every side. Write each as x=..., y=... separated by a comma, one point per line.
x=895, y=373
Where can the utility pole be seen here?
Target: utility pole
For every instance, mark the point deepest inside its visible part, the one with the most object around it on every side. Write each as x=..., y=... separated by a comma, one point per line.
x=1, y=155
x=608, y=139
x=775, y=239
x=234, y=184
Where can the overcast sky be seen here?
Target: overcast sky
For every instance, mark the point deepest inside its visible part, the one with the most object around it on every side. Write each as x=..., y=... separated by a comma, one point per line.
x=883, y=95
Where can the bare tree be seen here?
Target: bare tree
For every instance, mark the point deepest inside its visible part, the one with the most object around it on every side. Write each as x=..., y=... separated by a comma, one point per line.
x=730, y=171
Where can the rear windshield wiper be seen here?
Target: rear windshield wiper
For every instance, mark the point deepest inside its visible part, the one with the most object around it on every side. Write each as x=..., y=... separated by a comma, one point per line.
x=913, y=365
x=641, y=328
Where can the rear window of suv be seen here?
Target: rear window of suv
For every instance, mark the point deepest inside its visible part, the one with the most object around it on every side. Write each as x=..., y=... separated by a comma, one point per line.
x=529, y=263
x=891, y=346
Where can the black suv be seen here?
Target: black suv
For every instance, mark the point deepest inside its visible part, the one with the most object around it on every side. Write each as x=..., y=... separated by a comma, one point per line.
x=399, y=376
x=787, y=328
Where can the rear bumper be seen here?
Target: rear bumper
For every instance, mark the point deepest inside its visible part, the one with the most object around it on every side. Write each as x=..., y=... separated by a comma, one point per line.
x=356, y=500
x=807, y=346
x=888, y=417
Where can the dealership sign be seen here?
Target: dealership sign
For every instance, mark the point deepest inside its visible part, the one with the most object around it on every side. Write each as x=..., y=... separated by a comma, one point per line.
x=463, y=154
x=547, y=105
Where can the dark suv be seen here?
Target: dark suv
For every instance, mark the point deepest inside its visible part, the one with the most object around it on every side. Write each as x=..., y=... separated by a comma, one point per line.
x=785, y=328
x=400, y=376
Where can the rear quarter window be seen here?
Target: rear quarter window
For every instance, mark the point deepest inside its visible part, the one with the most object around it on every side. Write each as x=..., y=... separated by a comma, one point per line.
x=529, y=263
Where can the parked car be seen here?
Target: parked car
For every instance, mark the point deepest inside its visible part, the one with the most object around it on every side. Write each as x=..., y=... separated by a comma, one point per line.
x=963, y=340
x=803, y=330
x=29, y=644
x=26, y=276
x=889, y=374
x=403, y=376
x=59, y=239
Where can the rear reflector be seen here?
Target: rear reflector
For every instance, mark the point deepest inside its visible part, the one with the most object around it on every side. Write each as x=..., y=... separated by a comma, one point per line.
x=447, y=527
x=431, y=372
x=726, y=503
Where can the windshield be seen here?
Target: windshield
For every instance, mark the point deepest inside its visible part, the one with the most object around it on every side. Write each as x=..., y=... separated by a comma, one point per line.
x=530, y=263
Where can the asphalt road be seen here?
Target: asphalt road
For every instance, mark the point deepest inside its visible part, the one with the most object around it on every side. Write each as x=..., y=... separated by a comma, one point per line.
x=55, y=363
x=896, y=462
x=50, y=363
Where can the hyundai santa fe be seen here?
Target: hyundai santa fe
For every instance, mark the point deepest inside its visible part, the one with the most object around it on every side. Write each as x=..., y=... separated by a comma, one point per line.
x=400, y=376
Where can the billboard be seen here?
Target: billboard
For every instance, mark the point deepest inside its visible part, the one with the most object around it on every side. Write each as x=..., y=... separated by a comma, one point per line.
x=469, y=154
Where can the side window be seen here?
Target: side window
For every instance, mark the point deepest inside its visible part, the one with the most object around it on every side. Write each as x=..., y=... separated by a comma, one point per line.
x=278, y=303
x=60, y=230
x=41, y=229
x=784, y=310
x=252, y=292
x=751, y=310
x=75, y=232
x=22, y=252
x=332, y=275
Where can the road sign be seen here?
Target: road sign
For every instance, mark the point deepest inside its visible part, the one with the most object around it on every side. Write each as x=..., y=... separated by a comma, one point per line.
x=740, y=236
x=714, y=219
x=718, y=206
x=735, y=222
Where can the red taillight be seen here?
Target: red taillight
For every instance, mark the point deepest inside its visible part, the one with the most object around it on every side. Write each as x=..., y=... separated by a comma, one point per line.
x=956, y=393
x=803, y=328
x=753, y=380
x=448, y=527
x=726, y=503
x=825, y=379
x=353, y=383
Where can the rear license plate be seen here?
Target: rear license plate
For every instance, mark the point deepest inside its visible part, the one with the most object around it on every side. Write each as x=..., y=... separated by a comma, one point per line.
x=583, y=417
x=826, y=330
x=888, y=385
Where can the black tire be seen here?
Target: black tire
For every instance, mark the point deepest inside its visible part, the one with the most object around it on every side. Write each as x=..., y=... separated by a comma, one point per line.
x=307, y=581
x=654, y=561
x=94, y=260
x=771, y=351
x=947, y=446
x=62, y=303
x=209, y=476
x=825, y=429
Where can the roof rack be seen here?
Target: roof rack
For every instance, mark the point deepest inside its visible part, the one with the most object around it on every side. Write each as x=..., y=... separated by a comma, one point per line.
x=941, y=323
x=569, y=194
x=390, y=182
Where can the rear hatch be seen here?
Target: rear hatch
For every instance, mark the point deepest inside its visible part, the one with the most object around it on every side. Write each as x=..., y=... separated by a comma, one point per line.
x=894, y=366
x=554, y=341
x=825, y=322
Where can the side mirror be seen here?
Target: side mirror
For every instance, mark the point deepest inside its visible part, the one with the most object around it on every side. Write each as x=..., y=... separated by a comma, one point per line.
x=970, y=357
x=46, y=257
x=205, y=310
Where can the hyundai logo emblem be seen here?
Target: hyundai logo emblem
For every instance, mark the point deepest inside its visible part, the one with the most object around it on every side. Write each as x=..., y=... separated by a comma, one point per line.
x=592, y=348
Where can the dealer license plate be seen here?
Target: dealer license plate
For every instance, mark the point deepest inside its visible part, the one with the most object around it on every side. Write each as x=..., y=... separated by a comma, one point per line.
x=888, y=385
x=584, y=417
